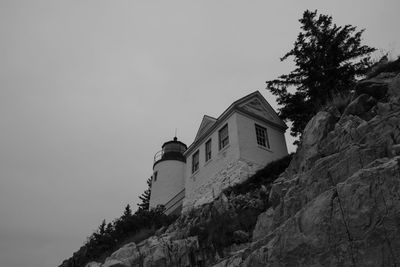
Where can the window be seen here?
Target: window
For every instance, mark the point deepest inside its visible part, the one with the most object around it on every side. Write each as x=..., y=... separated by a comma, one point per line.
x=223, y=137
x=208, y=150
x=262, y=136
x=195, y=161
x=155, y=176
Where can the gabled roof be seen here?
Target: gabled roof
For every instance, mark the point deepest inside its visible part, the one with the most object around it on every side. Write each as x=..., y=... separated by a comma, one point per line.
x=256, y=105
x=253, y=105
x=206, y=123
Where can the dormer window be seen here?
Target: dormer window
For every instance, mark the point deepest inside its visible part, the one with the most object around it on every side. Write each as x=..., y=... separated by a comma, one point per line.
x=223, y=137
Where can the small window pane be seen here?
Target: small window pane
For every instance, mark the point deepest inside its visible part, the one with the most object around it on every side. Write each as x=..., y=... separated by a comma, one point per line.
x=223, y=137
x=262, y=136
x=195, y=161
x=208, y=150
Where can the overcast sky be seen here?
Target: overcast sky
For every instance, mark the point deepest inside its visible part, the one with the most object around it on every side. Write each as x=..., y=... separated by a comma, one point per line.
x=89, y=91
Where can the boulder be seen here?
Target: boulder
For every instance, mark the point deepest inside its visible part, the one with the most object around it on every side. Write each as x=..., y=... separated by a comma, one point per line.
x=361, y=107
x=154, y=252
x=381, y=85
x=114, y=263
x=235, y=261
x=128, y=255
x=164, y=252
x=396, y=150
x=308, y=152
x=264, y=224
x=373, y=87
x=394, y=86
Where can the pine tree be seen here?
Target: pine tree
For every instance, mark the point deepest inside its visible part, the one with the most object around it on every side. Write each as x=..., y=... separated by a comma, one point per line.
x=102, y=228
x=127, y=212
x=109, y=229
x=145, y=197
x=328, y=60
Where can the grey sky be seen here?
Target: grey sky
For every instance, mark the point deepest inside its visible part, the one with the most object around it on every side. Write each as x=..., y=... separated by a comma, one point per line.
x=89, y=90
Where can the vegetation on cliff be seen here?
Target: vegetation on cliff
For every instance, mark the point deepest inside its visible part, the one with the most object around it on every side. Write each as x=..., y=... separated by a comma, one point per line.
x=130, y=227
x=328, y=59
x=145, y=197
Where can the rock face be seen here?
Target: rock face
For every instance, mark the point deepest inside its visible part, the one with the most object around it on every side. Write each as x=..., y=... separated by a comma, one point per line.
x=153, y=252
x=337, y=204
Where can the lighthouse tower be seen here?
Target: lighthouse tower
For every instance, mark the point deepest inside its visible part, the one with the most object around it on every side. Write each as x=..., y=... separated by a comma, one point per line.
x=167, y=184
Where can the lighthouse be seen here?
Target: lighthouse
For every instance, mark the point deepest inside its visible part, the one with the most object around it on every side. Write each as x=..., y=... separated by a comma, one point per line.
x=168, y=180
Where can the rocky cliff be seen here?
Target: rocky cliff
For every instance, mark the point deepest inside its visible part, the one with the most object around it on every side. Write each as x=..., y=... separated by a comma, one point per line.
x=337, y=204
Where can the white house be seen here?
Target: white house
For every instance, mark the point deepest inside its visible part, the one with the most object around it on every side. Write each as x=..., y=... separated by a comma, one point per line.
x=225, y=151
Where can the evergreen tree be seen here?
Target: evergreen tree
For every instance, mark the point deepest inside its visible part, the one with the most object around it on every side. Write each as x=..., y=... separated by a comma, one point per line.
x=109, y=229
x=328, y=60
x=127, y=212
x=145, y=197
x=110, y=234
x=102, y=228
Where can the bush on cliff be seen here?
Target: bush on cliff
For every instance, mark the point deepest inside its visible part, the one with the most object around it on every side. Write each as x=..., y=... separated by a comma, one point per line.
x=110, y=236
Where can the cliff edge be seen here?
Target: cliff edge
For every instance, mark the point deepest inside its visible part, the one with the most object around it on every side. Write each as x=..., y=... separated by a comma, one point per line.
x=337, y=204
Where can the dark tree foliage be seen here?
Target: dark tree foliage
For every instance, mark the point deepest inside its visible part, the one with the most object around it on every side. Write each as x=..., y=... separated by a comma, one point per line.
x=102, y=227
x=328, y=60
x=145, y=197
x=127, y=212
